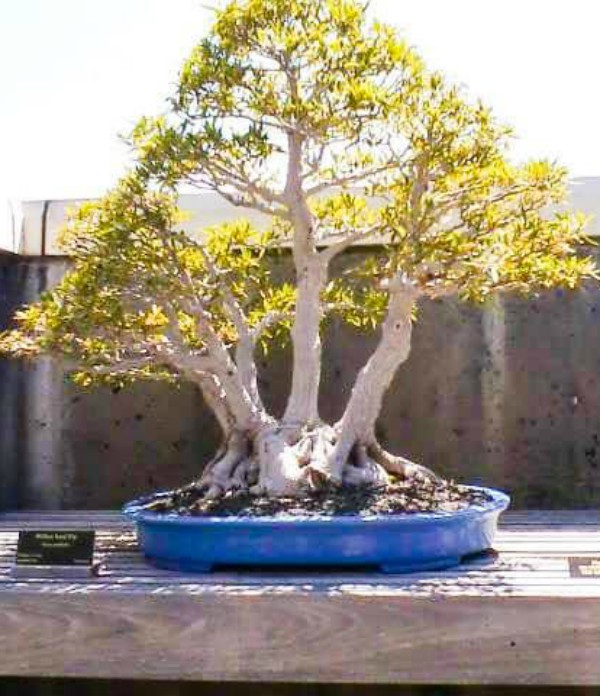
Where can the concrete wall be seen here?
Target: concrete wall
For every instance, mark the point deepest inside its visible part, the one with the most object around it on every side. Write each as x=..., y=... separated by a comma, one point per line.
x=508, y=395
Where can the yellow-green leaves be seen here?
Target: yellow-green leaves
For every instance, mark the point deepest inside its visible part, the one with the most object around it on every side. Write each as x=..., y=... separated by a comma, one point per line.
x=136, y=282
x=343, y=214
x=270, y=68
x=301, y=110
x=504, y=235
x=271, y=316
x=362, y=305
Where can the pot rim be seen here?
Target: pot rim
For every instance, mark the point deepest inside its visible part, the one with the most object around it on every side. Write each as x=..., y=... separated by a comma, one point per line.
x=133, y=511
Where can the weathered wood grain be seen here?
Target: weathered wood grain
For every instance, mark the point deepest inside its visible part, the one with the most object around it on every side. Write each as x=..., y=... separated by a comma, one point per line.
x=304, y=638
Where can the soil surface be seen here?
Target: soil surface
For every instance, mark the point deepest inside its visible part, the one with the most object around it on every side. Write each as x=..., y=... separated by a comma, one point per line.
x=403, y=497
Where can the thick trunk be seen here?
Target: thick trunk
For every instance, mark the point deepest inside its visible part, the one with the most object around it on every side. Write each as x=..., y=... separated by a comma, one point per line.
x=357, y=425
x=296, y=455
x=303, y=403
x=246, y=365
x=311, y=276
x=272, y=463
x=300, y=452
x=215, y=400
x=230, y=402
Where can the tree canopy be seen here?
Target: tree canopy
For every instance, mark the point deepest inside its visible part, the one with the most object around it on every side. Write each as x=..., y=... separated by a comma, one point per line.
x=332, y=126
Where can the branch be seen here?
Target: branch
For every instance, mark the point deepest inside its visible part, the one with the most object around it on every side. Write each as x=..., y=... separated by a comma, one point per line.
x=350, y=179
x=315, y=161
x=244, y=354
x=236, y=313
x=336, y=248
x=239, y=201
x=267, y=321
x=247, y=410
x=251, y=193
x=358, y=421
x=304, y=247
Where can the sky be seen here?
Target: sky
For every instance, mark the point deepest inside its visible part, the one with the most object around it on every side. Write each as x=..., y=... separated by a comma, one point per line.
x=76, y=73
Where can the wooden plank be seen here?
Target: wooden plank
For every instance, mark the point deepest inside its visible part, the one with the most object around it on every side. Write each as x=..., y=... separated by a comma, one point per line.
x=464, y=573
x=517, y=618
x=432, y=590
x=49, y=590
x=344, y=638
x=516, y=571
x=501, y=580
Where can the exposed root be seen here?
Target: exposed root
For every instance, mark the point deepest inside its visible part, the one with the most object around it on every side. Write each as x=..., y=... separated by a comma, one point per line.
x=204, y=481
x=364, y=471
x=219, y=478
x=399, y=466
x=304, y=451
x=239, y=478
x=282, y=463
x=317, y=473
x=280, y=472
x=253, y=472
x=361, y=457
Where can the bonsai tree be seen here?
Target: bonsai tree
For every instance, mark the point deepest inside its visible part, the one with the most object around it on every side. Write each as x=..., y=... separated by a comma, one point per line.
x=334, y=129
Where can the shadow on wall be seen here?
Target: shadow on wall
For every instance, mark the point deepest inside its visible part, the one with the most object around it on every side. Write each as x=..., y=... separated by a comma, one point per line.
x=508, y=396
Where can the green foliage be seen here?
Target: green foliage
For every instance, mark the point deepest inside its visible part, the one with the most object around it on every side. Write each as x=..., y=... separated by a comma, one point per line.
x=135, y=286
x=485, y=229
x=387, y=152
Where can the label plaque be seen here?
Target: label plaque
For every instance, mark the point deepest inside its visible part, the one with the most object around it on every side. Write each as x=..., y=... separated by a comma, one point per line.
x=55, y=548
x=584, y=567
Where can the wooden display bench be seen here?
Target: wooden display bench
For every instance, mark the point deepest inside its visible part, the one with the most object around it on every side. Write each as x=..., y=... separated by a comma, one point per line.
x=516, y=617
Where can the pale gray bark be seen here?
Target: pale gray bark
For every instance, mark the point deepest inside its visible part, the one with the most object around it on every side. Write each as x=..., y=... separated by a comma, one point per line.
x=358, y=422
x=303, y=403
x=311, y=276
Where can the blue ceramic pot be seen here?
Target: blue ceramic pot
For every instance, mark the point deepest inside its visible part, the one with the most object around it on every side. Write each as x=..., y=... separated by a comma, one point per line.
x=394, y=543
